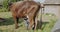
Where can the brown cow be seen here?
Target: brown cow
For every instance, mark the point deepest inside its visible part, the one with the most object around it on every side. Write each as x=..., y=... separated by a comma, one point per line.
x=25, y=9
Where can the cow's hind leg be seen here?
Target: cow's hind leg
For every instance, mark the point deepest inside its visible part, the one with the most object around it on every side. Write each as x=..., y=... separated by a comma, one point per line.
x=35, y=24
x=31, y=23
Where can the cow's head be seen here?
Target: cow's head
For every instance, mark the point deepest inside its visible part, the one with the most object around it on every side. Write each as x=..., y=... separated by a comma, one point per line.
x=9, y=5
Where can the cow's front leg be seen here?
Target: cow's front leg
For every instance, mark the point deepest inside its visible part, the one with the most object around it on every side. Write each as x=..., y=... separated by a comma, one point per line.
x=16, y=22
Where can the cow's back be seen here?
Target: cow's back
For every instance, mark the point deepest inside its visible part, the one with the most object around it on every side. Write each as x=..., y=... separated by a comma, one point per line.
x=23, y=8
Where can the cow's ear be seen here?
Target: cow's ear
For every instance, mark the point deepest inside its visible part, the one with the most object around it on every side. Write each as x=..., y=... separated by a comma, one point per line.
x=10, y=3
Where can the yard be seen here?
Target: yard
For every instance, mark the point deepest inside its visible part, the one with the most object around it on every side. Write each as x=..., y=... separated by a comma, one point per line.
x=8, y=25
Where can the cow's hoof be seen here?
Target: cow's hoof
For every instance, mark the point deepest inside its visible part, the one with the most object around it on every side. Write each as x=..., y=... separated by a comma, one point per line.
x=17, y=27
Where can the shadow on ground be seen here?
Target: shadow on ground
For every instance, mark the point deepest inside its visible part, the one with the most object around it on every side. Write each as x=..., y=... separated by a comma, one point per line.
x=9, y=21
x=43, y=25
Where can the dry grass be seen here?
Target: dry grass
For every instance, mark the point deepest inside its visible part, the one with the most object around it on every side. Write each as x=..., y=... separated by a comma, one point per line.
x=8, y=25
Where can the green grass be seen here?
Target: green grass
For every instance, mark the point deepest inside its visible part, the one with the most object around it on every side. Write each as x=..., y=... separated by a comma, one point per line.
x=9, y=26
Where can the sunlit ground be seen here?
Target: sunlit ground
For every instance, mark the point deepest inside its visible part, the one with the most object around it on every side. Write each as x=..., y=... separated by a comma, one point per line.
x=8, y=25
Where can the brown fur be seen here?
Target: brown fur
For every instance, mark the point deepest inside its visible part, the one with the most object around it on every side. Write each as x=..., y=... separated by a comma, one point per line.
x=23, y=9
